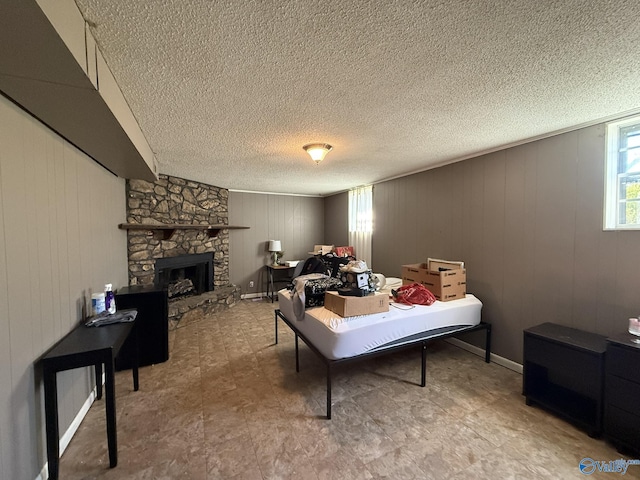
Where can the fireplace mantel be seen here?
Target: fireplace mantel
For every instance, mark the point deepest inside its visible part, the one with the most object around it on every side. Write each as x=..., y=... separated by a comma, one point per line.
x=166, y=230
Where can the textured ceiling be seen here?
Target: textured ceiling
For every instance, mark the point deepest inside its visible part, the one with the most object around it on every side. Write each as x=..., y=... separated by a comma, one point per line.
x=228, y=91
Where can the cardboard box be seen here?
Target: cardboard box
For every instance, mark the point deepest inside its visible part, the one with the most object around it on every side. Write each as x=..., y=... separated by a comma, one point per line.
x=352, y=306
x=321, y=249
x=414, y=273
x=435, y=264
x=445, y=285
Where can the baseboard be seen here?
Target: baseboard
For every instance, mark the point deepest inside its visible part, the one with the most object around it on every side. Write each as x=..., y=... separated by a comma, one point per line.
x=253, y=295
x=511, y=365
x=71, y=431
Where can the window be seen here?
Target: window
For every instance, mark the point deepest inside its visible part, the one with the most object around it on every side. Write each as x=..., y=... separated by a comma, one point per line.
x=622, y=184
x=361, y=222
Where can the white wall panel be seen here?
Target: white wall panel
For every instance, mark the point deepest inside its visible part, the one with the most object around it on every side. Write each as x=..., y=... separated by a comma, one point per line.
x=53, y=251
x=5, y=342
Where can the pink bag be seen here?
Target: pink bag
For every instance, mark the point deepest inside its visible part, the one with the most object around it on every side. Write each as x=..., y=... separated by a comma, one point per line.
x=344, y=251
x=414, y=294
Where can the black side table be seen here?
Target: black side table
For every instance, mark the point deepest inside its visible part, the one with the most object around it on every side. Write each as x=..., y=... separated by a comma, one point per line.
x=283, y=277
x=84, y=347
x=621, y=412
x=564, y=373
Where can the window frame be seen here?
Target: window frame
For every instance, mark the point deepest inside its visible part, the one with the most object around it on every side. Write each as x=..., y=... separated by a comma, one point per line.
x=612, y=175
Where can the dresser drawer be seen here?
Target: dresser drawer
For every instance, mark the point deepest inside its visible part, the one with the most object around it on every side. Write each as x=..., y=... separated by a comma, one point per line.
x=623, y=426
x=623, y=362
x=623, y=394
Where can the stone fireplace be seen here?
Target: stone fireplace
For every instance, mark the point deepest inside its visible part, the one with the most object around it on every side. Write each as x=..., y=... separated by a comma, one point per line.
x=193, y=272
x=194, y=253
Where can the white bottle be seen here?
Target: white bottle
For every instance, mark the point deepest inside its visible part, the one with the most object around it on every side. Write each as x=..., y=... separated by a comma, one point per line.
x=97, y=303
x=109, y=299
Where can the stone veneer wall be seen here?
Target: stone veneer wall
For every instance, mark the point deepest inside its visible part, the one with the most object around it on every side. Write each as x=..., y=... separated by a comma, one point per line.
x=176, y=200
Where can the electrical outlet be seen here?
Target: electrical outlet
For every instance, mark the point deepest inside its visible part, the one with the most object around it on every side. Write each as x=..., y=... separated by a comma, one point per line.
x=251, y=284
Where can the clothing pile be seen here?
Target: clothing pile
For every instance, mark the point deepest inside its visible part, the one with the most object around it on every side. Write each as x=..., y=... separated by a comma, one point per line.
x=308, y=291
x=356, y=275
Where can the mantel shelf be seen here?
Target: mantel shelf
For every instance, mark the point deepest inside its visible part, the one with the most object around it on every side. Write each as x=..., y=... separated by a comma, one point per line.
x=166, y=230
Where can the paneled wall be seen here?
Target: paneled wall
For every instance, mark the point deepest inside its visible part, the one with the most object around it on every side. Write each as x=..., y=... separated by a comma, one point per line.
x=336, y=219
x=297, y=221
x=59, y=241
x=527, y=221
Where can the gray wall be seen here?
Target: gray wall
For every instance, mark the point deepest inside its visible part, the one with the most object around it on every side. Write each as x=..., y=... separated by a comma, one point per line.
x=59, y=241
x=336, y=219
x=527, y=222
x=296, y=221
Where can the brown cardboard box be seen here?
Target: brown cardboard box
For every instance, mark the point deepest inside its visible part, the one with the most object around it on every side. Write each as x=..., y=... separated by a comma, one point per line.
x=435, y=264
x=414, y=273
x=321, y=249
x=445, y=285
x=352, y=306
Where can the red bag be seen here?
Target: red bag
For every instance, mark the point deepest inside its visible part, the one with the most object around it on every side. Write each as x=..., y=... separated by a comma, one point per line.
x=414, y=294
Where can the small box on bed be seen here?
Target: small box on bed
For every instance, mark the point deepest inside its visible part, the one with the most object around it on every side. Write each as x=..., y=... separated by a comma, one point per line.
x=446, y=285
x=346, y=306
x=321, y=249
x=414, y=273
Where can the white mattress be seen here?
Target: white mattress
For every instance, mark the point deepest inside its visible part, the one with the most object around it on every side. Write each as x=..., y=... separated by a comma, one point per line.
x=338, y=337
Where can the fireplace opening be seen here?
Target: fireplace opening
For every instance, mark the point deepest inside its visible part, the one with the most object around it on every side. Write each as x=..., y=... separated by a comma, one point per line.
x=185, y=274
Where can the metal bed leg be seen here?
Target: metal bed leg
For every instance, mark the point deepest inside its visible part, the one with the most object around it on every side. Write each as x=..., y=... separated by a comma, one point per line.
x=297, y=357
x=424, y=364
x=328, y=391
x=487, y=345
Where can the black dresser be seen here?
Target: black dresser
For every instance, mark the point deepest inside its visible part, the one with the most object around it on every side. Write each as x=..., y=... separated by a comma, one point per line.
x=564, y=372
x=152, y=325
x=622, y=408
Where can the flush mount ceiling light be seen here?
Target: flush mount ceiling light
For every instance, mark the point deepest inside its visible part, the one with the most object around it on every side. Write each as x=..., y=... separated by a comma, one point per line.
x=317, y=151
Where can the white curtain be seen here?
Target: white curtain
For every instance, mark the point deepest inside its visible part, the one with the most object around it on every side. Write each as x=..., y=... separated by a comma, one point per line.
x=361, y=222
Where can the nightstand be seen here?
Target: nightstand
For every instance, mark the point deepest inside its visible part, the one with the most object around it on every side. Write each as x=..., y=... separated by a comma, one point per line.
x=622, y=408
x=283, y=275
x=564, y=373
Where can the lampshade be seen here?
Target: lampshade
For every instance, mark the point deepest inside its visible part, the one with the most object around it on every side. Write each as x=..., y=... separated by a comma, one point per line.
x=317, y=151
x=275, y=246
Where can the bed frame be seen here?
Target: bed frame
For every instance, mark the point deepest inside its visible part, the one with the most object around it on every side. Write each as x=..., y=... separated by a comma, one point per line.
x=401, y=344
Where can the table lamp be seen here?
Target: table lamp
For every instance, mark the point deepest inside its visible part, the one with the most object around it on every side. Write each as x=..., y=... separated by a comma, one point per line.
x=275, y=247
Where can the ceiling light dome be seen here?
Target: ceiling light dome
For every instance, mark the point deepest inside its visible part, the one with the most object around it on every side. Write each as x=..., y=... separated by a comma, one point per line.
x=317, y=151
